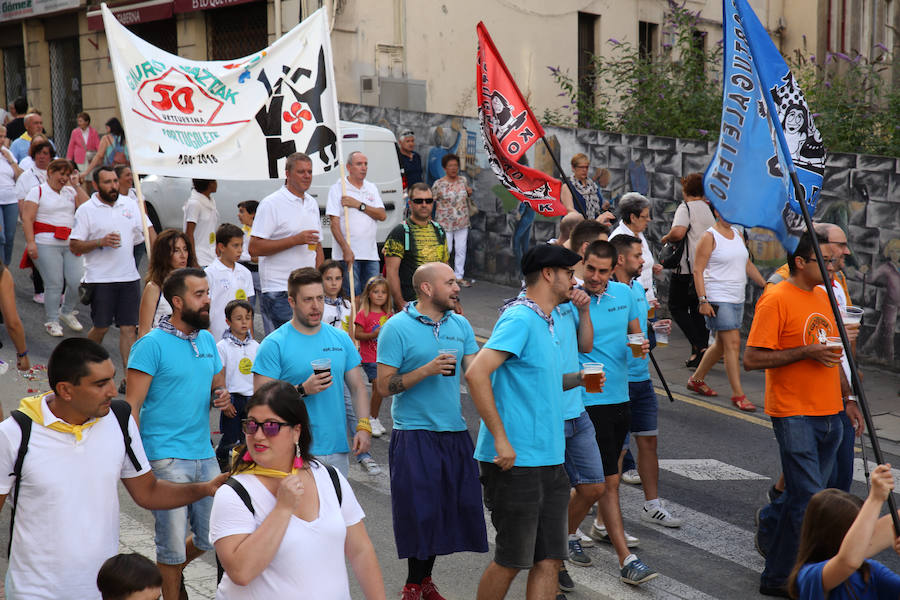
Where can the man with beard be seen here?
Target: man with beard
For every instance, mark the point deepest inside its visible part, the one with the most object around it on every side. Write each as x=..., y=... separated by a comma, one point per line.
x=516, y=382
x=106, y=229
x=435, y=494
x=171, y=374
x=312, y=357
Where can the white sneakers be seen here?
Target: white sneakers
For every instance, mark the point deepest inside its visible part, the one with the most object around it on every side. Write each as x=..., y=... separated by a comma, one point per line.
x=71, y=321
x=378, y=429
x=54, y=328
x=631, y=476
x=654, y=512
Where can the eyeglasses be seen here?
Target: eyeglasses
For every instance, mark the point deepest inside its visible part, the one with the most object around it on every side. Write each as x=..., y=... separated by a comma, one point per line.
x=827, y=261
x=580, y=166
x=422, y=200
x=269, y=428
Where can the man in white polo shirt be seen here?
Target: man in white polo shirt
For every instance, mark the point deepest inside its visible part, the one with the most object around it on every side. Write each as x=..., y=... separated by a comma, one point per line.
x=286, y=235
x=67, y=521
x=106, y=229
x=364, y=209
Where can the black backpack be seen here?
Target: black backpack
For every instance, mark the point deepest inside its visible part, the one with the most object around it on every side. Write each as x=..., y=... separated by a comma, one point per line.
x=120, y=408
x=244, y=495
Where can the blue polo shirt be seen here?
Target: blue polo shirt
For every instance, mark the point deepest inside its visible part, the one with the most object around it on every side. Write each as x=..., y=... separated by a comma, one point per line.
x=610, y=314
x=406, y=343
x=175, y=413
x=527, y=391
x=639, y=368
x=286, y=354
x=565, y=325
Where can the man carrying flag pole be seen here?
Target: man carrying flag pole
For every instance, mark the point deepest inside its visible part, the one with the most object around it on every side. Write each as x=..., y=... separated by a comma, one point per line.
x=767, y=172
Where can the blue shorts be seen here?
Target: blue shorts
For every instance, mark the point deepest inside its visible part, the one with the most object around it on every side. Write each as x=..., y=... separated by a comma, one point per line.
x=371, y=370
x=172, y=525
x=583, y=462
x=729, y=316
x=644, y=408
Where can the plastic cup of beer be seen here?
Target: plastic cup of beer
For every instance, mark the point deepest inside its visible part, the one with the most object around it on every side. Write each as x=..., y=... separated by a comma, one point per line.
x=321, y=365
x=661, y=330
x=454, y=352
x=851, y=314
x=593, y=377
x=835, y=344
x=635, y=342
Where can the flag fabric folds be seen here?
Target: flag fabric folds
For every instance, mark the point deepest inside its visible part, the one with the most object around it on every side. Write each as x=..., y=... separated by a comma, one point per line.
x=509, y=129
x=767, y=132
x=236, y=119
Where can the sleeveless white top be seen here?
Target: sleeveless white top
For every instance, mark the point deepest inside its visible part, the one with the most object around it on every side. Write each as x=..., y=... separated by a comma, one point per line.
x=725, y=276
x=163, y=309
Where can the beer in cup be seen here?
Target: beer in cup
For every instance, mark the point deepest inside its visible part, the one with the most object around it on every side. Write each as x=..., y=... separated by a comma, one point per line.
x=851, y=314
x=661, y=329
x=454, y=353
x=593, y=377
x=321, y=365
x=635, y=342
x=835, y=345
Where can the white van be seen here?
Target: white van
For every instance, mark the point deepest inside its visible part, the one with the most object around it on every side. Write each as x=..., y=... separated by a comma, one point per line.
x=165, y=196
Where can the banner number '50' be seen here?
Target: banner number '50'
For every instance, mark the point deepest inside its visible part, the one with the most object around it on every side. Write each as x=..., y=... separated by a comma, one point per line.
x=180, y=98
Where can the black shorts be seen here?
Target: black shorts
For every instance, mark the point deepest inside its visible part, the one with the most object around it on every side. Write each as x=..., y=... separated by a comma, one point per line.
x=529, y=510
x=611, y=423
x=117, y=302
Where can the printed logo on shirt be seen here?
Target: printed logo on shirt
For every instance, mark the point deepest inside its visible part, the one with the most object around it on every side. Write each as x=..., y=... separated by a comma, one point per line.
x=212, y=237
x=333, y=349
x=240, y=294
x=617, y=308
x=245, y=366
x=817, y=328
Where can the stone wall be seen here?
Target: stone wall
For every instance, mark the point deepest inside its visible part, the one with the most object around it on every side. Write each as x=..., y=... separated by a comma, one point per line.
x=860, y=193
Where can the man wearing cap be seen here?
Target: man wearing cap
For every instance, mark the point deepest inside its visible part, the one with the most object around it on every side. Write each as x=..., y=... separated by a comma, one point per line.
x=410, y=161
x=516, y=382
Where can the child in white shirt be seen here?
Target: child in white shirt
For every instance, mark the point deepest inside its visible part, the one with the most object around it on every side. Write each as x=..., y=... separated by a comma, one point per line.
x=228, y=280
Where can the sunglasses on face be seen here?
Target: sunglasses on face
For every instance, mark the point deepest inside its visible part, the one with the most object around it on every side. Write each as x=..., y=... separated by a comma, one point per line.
x=422, y=200
x=269, y=428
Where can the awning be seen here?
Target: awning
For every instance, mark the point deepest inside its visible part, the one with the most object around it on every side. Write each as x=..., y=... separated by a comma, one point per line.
x=132, y=13
x=192, y=5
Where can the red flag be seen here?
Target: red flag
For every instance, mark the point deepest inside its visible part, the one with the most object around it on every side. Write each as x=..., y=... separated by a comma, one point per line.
x=509, y=128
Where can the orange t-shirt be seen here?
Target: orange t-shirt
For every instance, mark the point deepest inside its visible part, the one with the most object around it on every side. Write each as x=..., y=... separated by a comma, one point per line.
x=788, y=317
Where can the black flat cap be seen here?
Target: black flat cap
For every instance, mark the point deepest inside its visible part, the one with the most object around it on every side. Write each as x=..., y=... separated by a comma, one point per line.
x=548, y=255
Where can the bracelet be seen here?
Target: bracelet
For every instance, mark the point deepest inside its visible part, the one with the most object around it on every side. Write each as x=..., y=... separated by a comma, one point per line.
x=363, y=425
x=851, y=398
x=22, y=355
x=703, y=301
x=702, y=298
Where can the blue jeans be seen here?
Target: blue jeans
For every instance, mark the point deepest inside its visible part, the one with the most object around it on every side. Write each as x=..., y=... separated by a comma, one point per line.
x=807, y=446
x=231, y=430
x=172, y=525
x=276, y=307
x=628, y=463
x=59, y=266
x=842, y=474
x=363, y=270
x=9, y=214
x=338, y=460
x=583, y=462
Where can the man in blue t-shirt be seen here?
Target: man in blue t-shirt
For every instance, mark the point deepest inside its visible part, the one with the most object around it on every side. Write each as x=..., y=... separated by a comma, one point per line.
x=614, y=315
x=172, y=371
x=288, y=354
x=435, y=493
x=644, y=406
x=516, y=382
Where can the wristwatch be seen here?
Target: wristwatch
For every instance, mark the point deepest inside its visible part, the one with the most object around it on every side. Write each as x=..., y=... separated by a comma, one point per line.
x=362, y=207
x=301, y=391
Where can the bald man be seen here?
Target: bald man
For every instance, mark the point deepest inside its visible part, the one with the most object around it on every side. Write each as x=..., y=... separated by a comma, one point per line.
x=435, y=491
x=566, y=225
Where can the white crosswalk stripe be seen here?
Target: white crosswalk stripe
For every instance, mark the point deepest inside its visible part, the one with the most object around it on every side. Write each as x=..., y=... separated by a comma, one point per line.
x=707, y=469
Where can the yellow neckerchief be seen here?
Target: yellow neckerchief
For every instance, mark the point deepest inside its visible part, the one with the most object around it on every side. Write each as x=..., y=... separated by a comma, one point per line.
x=255, y=469
x=32, y=407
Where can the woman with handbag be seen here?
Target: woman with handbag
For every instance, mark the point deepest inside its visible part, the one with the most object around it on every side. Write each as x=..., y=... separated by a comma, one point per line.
x=721, y=267
x=48, y=215
x=692, y=218
x=451, y=206
x=286, y=527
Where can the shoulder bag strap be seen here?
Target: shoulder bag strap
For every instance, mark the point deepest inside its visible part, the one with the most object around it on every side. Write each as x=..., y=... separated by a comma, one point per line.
x=122, y=410
x=24, y=423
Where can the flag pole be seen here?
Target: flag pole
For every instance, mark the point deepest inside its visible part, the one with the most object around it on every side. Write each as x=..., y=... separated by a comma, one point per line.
x=851, y=360
x=350, y=276
x=137, y=189
x=661, y=378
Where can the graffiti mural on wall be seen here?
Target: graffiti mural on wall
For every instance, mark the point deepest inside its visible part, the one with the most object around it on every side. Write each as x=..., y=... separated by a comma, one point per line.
x=860, y=193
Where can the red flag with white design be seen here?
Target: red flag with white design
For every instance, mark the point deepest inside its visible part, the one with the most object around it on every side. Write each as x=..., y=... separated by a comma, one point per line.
x=509, y=129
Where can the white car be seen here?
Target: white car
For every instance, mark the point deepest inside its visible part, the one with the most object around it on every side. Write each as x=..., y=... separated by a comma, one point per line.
x=165, y=196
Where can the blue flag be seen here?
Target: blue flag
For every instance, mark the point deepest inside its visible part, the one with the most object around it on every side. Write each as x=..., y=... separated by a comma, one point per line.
x=767, y=132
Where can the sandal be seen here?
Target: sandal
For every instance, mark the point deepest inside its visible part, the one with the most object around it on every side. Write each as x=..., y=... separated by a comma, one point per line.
x=742, y=403
x=700, y=387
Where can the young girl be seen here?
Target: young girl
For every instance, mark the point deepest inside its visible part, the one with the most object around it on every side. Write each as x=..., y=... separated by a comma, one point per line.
x=375, y=308
x=337, y=314
x=839, y=533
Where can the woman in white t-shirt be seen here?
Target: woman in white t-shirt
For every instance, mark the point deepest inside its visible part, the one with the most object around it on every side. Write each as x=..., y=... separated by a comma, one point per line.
x=201, y=219
x=295, y=541
x=721, y=268
x=48, y=215
x=9, y=206
x=171, y=250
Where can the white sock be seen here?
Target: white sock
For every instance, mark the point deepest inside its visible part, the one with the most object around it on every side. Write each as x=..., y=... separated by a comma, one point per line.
x=628, y=559
x=651, y=504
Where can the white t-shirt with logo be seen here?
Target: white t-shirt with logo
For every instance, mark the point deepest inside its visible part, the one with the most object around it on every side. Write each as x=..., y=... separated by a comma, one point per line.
x=201, y=210
x=95, y=219
x=362, y=225
x=238, y=360
x=279, y=215
x=57, y=209
x=225, y=285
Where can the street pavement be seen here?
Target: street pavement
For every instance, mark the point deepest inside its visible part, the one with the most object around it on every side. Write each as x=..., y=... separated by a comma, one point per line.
x=716, y=465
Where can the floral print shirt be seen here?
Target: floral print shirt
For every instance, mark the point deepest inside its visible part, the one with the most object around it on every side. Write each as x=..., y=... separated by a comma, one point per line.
x=451, y=209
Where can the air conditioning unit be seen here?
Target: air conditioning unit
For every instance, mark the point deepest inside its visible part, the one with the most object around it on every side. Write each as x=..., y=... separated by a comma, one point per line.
x=368, y=90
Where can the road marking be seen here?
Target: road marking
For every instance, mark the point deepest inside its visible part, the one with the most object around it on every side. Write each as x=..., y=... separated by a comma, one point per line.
x=707, y=469
x=199, y=576
x=860, y=475
x=716, y=408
